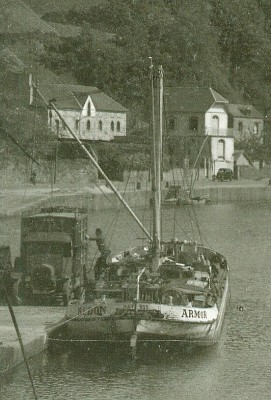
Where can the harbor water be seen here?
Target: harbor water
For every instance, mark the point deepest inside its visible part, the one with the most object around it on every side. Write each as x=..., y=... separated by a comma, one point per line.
x=238, y=367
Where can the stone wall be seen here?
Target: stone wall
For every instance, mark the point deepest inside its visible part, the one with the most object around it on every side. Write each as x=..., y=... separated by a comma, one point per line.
x=249, y=172
x=68, y=173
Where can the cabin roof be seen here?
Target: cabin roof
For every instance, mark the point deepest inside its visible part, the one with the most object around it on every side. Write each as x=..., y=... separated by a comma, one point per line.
x=191, y=99
x=74, y=97
x=54, y=215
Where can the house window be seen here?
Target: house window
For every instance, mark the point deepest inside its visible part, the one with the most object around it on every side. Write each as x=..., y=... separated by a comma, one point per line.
x=193, y=123
x=230, y=121
x=77, y=124
x=88, y=109
x=256, y=128
x=88, y=125
x=240, y=126
x=112, y=126
x=100, y=125
x=171, y=124
x=118, y=126
x=221, y=149
x=215, y=125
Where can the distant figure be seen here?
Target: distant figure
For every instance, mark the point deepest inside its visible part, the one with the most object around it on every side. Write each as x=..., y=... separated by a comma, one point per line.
x=101, y=264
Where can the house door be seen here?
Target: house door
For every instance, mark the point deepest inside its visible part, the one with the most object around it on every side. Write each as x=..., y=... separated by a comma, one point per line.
x=215, y=125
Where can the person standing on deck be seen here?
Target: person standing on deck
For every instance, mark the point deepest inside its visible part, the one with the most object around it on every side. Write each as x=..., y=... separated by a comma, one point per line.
x=100, y=265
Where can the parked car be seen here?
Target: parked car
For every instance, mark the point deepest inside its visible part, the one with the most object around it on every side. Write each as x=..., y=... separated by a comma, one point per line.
x=224, y=174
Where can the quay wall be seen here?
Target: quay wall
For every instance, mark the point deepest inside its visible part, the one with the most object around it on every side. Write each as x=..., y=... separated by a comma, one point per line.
x=11, y=354
x=35, y=324
x=97, y=201
x=236, y=194
x=141, y=198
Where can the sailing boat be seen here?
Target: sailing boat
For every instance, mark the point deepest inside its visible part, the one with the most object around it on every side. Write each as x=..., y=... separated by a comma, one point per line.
x=183, y=194
x=162, y=291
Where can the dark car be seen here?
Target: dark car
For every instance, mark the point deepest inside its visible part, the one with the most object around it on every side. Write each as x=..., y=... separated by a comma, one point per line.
x=224, y=174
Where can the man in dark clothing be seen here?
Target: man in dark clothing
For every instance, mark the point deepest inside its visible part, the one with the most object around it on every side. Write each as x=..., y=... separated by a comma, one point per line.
x=101, y=264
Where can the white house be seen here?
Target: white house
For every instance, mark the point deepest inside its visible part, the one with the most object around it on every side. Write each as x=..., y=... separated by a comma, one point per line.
x=199, y=112
x=90, y=113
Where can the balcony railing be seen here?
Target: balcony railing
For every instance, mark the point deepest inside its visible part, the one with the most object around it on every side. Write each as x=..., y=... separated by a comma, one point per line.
x=203, y=132
x=219, y=132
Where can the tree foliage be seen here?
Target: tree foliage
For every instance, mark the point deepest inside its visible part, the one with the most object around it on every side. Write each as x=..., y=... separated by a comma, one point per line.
x=253, y=148
x=225, y=44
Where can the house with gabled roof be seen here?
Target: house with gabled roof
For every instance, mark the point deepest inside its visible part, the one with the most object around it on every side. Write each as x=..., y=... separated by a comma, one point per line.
x=90, y=113
x=245, y=121
x=198, y=112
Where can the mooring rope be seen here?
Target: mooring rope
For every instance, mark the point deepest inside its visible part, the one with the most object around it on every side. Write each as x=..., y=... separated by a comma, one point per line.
x=76, y=316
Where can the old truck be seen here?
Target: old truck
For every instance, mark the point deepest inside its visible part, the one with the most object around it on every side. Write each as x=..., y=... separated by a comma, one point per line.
x=53, y=255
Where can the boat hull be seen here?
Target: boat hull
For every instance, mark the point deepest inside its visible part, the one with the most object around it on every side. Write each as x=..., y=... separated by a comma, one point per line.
x=102, y=330
x=114, y=328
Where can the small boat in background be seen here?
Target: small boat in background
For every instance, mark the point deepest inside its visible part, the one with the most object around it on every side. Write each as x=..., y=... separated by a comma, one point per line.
x=177, y=196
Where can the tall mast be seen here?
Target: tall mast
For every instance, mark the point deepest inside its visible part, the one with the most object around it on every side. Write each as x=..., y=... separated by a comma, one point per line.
x=160, y=150
x=157, y=125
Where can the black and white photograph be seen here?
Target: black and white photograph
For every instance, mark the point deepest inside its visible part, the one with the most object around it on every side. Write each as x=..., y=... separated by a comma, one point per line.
x=135, y=199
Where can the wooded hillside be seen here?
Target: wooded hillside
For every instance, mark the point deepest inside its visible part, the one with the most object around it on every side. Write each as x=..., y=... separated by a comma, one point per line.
x=225, y=44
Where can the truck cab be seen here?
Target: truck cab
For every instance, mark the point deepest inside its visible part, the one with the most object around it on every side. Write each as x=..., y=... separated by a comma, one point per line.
x=53, y=258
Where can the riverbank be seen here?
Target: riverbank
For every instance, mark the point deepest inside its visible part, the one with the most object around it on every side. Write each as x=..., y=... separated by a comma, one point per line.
x=15, y=200
x=34, y=323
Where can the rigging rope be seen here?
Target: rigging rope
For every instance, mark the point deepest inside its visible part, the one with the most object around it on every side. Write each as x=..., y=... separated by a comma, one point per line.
x=120, y=205
x=116, y=215
x=145, y=207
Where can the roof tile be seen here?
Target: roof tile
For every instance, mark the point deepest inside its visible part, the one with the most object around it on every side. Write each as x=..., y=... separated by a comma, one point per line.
x=243, y=111
x=191, y=99
x=73, y=97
